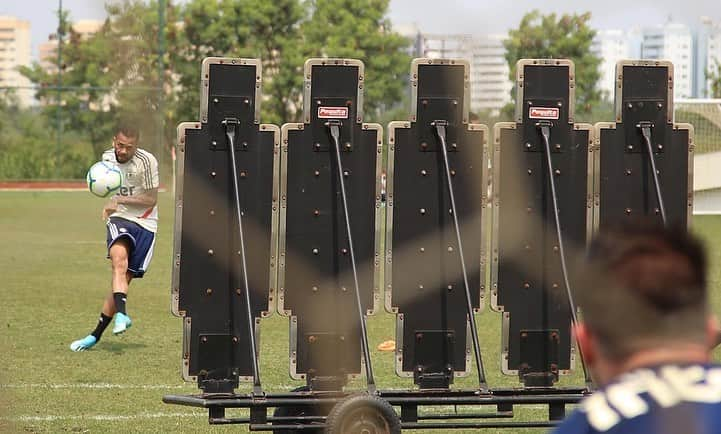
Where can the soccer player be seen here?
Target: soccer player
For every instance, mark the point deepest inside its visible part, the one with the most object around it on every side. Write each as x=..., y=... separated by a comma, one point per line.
x=132, y=220
x=646, y=335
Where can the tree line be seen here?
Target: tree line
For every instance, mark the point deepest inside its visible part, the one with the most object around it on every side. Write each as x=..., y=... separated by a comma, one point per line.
x=130, y=68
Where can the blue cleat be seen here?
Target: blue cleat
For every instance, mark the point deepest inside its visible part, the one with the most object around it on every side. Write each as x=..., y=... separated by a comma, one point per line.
x=84, y=344
x=122, y=323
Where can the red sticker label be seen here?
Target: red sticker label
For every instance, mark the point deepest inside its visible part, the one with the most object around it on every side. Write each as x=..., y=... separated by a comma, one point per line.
x=543, y=113
x=333, y=112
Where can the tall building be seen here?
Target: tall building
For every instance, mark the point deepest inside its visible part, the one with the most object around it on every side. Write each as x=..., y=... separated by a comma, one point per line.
x=446, y=46
x=14, y=53
x=86, y=28
x=414, y=37
x=490, y=84
x=611, y=46
x=673, y=42
x=708, y=55
x=490, y=81
x=47, y=51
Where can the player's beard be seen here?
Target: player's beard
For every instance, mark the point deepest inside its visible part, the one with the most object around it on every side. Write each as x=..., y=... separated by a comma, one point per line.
x=122, y=160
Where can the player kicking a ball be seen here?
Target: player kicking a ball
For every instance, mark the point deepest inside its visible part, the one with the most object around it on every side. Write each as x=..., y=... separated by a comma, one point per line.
x=132, y=221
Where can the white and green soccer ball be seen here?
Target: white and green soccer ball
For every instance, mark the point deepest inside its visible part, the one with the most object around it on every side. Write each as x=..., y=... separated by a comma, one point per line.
x=104, y=178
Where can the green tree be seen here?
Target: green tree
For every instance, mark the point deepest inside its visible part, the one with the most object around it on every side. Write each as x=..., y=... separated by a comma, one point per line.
x=283, y=34
x=142, y=74
x=119, y=71
x=112, y=73
x=715, y=76
x=71, y=97
x=242, y=28
x=566, y=37
x=25, y=146
x=359, y=29
x=8, y=100
x=75, y=95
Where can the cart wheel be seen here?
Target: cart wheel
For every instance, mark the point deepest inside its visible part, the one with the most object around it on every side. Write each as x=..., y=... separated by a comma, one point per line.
x=296, y=410
x=363, y=414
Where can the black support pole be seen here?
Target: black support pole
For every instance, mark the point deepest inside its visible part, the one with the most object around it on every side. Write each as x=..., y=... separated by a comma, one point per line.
x=545, y=129
x=440, y=126
x=334, y=128
x=230, y=127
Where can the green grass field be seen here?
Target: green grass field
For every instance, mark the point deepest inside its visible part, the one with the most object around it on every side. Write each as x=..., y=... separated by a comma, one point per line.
x=54, y=277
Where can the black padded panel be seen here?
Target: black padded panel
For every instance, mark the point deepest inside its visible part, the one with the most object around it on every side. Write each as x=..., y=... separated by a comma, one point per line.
x=530, y=285
x=318, y=281
x=626, y=184
x=427, y=280
x=210, y=272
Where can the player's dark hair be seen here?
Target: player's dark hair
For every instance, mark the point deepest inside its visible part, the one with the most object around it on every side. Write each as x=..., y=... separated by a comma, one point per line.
x=127, y=128
x=647, y=286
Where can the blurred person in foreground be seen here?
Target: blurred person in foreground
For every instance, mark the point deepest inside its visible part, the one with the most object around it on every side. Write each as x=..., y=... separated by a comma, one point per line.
x=132, y=220
x=646, y=333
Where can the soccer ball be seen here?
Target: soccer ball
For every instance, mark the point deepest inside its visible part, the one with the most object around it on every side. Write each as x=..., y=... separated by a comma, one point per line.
x=104, y=178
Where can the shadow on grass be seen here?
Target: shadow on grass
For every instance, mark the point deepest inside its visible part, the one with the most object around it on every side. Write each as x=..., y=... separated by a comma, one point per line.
x=120, y=347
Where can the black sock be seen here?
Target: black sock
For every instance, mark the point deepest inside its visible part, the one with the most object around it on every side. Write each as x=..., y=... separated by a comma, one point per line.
x=120, y=298
x=103, y=323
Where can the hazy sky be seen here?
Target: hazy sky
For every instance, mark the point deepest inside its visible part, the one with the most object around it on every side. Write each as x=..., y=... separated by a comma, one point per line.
x=436, y=16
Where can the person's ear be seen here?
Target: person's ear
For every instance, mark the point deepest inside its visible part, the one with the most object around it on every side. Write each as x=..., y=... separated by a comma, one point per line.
x=713, y=332
x=587, y=343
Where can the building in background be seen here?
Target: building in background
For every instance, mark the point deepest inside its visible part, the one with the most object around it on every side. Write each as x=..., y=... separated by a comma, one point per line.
x=48, y=60
x=415, y=39
x=611, y=46
x=15, y=52
x=490, y=81
x=446, y=46
x=490, y=84
x=708, y=55
x=47, y=51
x=673, y=42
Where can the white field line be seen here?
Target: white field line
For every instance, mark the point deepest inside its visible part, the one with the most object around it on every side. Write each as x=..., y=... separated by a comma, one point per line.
x=116, y=386
x=102, y=417
x=285, y=387
x=80, y=188
x=90, y=386
x=157, y=415
x=193, y=413
x=42, y=189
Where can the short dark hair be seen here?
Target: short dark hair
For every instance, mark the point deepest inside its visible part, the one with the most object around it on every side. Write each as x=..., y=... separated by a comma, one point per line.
x=127, y=128
x=646, y=287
